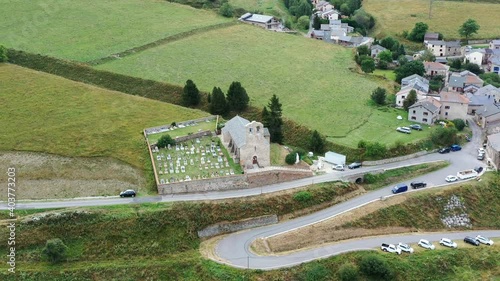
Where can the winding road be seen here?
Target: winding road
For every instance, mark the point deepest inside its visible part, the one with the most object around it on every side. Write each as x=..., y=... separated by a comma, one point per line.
x=234, y=248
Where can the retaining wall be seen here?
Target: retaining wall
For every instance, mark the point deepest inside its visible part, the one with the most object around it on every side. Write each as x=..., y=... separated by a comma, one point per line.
x=396, y=159
x=220, y=228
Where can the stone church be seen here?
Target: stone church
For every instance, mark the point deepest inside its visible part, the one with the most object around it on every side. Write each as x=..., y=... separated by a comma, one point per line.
x=248, y=142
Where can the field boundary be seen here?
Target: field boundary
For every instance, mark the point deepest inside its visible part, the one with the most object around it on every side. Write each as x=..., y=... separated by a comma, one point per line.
x=160, y=42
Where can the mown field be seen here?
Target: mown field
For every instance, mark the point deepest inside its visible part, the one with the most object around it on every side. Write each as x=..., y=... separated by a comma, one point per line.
x=46, y=113
x=313, y=80
x=87, y=30
x=394, y=16
x=267, y=7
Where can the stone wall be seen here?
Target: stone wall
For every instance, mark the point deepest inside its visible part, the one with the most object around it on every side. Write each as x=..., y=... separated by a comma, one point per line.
x=396, y=159
x=193, y=136
x=249, y=180
x=227, y=227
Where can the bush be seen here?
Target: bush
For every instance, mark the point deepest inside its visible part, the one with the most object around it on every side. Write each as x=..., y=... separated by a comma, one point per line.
x=374, y=266
x=55, y=250
x=315, y=272
x=302, y=196
x=459, y=124
x=369, y=178
x=348, y=272
x=375, y=149
x=444, y=136
x=165, y=140
x=291, y=158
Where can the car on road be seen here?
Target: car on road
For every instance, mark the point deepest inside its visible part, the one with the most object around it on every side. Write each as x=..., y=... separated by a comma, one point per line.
x=405, y=130
x=418, y=184
x=444, y=150
x=416, y=127
x=426, y=244
x=471, y=240
x=402, y=187
x=478, y=169
x=339, y=167
x=128, y=193
x=484, y=240
x=447, y=243
x=405, y=248
x=451, y=178
x=455, y=147
x=390, y=248
x=354, y=165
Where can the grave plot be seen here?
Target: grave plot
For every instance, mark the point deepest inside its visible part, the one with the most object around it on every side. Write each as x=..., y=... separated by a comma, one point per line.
x=195, y=159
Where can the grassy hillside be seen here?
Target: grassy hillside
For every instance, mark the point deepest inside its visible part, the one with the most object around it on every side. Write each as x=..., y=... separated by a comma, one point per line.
x=313, y=80
x=87, y=30
x=42, y=112
x=267, y=7
x=394, y=16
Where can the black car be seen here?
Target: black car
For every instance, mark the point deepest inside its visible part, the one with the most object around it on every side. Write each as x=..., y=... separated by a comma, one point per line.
x=416, y=127
x=478, y=169
x=471, y=240
x=444, y=150
x=128, y=193
x=354, y=165
x=418, y=184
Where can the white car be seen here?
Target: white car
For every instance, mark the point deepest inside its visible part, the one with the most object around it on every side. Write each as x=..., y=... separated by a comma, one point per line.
x=426, y=244
x=448, y=243
x=484, y=240
x=481, y=150
x=405, y=248
x=451, y=178
x=339, y=167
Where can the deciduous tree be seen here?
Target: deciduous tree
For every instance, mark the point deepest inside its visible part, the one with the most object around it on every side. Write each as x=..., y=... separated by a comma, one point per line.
x=409, y=68
x=418, y=32
x=165, y=140
x=468, y=28
x=378, y=96
x=3, y=54
x=226, y=10
x=385, y=56
x=368, y=65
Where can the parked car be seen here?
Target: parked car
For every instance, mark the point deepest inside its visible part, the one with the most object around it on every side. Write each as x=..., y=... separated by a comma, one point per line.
x=480, y=156
x=390, y=248
x=455, y=147
x=484, y=240
x=405, y=130
x=451, y=178
x=416, y=127
x=339, y=167
x=471, y=240
x=467, y=138
x=478, y=169
x=426, y=244
x=354, y=165
x=402, y=187
x=448, y=243
x=418, y=184
x=128, y=193
x=405, y=248
x=444, y=150
x=481, y=150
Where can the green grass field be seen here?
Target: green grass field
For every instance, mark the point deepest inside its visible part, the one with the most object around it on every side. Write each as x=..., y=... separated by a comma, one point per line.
x=387, y=74
x=87, y=30
x=312, y=79
x=42, y=112
x=394, y=16
x=267, y=7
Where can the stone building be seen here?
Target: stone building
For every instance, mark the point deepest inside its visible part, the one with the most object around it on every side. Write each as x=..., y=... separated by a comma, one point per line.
x=248, y=142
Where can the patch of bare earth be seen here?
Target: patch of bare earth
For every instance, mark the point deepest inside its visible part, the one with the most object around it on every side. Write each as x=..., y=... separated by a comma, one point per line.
x=47, y=176
x=328, y=231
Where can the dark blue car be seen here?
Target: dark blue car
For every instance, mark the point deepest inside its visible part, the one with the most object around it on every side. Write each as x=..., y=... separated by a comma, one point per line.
x=455, y=147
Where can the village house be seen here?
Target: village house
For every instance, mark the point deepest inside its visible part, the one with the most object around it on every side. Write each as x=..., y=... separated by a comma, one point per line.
x=459, y=80
x=476, y=103
x=266, y=22
x=417, y=82
x=436, y=68
x=425, y=111
x=431, y=36
x=248, y=142
x=354, y=41
x=323, y=6
x=453, y=105
x=330, y=14
x=493, y=149
x=494, y=65
x=376, y=49
x=405, y=91
x=488, y=115
x=475, y=56
x=489, y=91
x=495, y=44
x=444, y=48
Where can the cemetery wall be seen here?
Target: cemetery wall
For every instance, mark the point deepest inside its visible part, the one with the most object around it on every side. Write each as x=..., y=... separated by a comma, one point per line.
x=227, y=227
x=276, y=176
x=193, y=136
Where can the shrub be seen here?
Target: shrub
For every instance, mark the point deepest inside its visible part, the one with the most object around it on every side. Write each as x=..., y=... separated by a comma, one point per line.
x=459, y=124
x=302, y=196
x=291, y=158
x=375, y=149
x=375, y=266
x=369, y=178
x=348, y=272
x=362, y=144
x=165, y=140
x=55, y=250
x=316, y=272
x=444, y=136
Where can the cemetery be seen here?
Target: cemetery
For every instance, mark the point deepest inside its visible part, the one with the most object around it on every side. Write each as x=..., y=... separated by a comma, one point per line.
x=197, y=155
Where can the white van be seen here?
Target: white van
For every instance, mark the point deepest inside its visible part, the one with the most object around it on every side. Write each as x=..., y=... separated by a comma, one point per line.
x=405, y=130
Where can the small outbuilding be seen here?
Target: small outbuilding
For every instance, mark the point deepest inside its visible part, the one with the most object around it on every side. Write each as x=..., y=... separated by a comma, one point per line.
x=335, y=158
